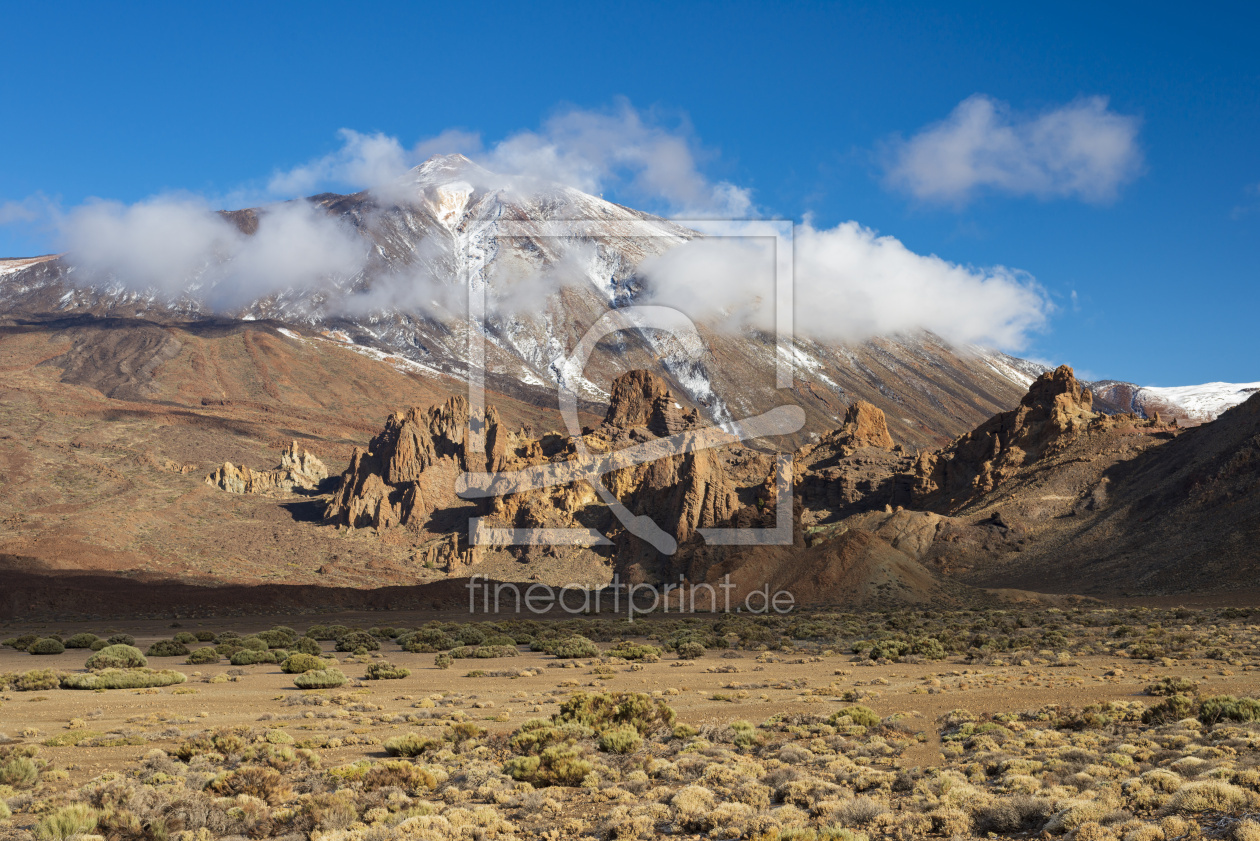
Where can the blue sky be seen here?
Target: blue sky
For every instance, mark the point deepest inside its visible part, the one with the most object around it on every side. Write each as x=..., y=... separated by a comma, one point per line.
x=806, y=108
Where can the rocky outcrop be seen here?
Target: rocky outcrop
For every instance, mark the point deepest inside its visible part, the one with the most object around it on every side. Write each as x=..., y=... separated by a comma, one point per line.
x=298, y=470
x=409, y=470
x=1051, y=415
x=852, y=469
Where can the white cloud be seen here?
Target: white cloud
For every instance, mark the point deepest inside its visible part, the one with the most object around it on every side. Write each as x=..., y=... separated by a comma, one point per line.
x=1080, y=150
x=619, y=149
x=850, y=284
x=171, y=245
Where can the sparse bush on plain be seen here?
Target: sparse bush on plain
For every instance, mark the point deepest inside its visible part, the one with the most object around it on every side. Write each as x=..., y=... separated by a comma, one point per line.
x=82, y=640
x=623, y=739
x=204, y=656
x=123, y=679
x=691, y=651
x=18, y=772
x=47, y=646
x=571, y=648
x=117, y=655
x=320, y=679
x=386, y=671
x=252, y=657
x=121, y=639
x=296, y=664
x=167, y=648
x=357, y=640
x=412, y=744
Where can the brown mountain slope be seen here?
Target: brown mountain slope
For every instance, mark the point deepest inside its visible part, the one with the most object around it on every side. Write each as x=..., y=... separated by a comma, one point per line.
x=109, y=426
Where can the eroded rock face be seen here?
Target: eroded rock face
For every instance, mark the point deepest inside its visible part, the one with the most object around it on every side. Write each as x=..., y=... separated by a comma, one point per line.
x=1055, y=410
x=298, y=470
x=407, y=477
x=855, y=468
x=410, y=468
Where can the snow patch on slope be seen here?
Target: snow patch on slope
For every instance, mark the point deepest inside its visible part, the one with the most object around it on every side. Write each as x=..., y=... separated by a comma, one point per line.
x=1203, y=402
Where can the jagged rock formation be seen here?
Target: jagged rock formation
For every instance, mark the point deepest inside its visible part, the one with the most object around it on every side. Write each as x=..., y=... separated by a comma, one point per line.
x=407, y=478
x=1051, y=415
x=297, y=470
x=854, y=468
x=409, y=469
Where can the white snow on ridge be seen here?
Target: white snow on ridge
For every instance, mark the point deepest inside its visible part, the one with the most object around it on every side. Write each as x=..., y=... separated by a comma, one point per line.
x=1201, y=402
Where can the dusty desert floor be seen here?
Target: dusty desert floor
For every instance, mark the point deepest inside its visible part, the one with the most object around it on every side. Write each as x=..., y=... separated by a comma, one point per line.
x=761, y=725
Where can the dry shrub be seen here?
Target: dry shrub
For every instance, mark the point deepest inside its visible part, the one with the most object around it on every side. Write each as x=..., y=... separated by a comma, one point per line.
x=18, y=772
x=692, y=805
x=1245, y=830
x=266, y=784
x=404, y=775
x=1075, y=814
x=66, y=822
x=860, y=811
x=412, y=744
x=1211, y=796
x=1006, y=815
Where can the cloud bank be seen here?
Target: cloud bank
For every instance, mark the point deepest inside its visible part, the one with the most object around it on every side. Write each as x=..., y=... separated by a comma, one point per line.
x=851, y=283
x=619, y=148
x=1080, y=150
x=175, y=246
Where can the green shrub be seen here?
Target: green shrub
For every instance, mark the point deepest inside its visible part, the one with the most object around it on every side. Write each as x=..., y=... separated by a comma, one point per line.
x=23, y=642
x=123, y=679
x=203, y=656
x=19, y=772
x=121, y=639
x=99, y=645
x=483, y=652
x=47, y=646
x=690, y=651
x=327, y=632
x=562, y=765
x=858, y=714
x=36, y=680
x=412, y=744
x=253, y=643
x=252, y=657
x=66, y=822
x=298, y=664
x=386, y=671
x=624, y=739
x=187, y=638
x=306, y=645
x=356, y=640
x=227, y=649
x=167, y=648
x=1173, y=686
x=571, y=648
x=1228, y=708
x=81, y=640
x=442, y=661
x=204, y=636
x=320, y=679
x=1171, y=709
x=633, y=651
x=427, y=641
x=117, y=656
x=605, y=711
x=405, y=775
x=279, y=637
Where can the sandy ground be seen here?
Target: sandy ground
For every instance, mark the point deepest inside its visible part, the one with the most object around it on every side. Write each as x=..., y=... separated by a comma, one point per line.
x=716, y=689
